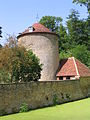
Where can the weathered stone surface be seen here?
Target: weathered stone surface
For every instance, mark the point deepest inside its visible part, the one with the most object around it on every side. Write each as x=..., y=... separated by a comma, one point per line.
x=45, y=46
x=41, y=94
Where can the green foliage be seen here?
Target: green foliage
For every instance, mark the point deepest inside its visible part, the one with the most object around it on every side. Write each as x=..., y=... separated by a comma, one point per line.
x=18, y=64
x=64, y=54
x=3, y=112
x=79, y=35
x=80, y=52
x=0, y=35
x=55, y=99
x=77, y=29
x=0, y=46
x=68, y=96
x=0, y=32
x=4, y=76
x=63, y=38
x=23, y=108
x=88, y=31
x=83, y=2
x=51, y=22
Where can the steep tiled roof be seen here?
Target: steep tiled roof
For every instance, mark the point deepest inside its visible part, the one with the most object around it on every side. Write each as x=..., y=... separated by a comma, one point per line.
x=83, y=70
x=37, y=27
x=73, y=67
x=67, y=68
x=40, y=28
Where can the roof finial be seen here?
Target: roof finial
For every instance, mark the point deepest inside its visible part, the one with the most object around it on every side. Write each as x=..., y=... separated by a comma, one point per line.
x=37, y=18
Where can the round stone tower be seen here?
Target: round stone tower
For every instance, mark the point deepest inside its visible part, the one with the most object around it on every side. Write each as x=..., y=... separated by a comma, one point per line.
x=45, y=45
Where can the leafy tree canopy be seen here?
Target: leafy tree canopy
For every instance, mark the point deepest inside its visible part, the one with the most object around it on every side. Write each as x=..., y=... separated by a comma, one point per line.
x=51, y=22
x=18, y=65
x=78, y=30
x=80, y=52
x=83, y=2
x=0, y=46
x=0, y=31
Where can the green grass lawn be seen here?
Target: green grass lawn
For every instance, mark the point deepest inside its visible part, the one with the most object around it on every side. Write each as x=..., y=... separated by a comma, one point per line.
x=79, y=110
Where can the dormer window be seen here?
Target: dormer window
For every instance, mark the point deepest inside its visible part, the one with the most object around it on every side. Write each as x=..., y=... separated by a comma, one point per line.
x=31, y=29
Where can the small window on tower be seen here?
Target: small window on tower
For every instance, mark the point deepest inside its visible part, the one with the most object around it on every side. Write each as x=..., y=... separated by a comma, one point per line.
x=31, y=29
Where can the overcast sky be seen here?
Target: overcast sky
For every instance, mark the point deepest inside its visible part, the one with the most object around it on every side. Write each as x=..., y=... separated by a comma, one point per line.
x=16, y=15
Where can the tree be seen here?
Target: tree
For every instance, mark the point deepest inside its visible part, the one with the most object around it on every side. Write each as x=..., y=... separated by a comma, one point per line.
x=26, y=66
x=51, y=22
x=80, y=52
x=83, y=2
x=63, y=38
x=78, y=30
x=11, y=41
x=72, y=27
x=0, y=46
x=88, y=31
x=0, y=32
x=18, y=65
x=0, y=35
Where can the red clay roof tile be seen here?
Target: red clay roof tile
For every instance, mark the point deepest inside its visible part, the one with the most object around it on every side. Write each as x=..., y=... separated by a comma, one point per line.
x=82, y=69
x=68, y=68
x=37, y=28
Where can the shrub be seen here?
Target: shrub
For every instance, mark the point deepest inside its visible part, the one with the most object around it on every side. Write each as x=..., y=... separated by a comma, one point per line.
x=24, y=107
x=55, y=99
x=18, y=64
x=68, y=96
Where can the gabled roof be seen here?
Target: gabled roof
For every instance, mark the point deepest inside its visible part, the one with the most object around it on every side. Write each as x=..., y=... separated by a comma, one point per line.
x=73, y=67
x=37, y=27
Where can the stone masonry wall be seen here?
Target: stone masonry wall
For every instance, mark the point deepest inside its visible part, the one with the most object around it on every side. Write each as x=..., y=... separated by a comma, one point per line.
x=41, y=94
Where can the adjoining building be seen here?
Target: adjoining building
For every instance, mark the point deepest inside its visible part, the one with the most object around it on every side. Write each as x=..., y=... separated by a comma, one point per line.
x=71, y=68
x=44, y=44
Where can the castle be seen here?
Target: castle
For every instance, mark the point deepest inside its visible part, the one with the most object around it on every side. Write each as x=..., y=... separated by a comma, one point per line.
x=44, y=44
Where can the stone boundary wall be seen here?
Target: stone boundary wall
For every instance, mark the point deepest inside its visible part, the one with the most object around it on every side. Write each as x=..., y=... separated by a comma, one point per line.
x=41, y=94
